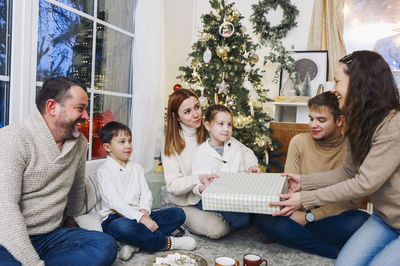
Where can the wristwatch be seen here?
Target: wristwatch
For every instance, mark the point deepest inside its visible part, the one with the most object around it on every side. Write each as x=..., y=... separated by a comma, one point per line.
x=310, y=217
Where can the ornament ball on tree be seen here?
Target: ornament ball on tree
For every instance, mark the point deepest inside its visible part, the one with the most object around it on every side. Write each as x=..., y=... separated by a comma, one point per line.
x=177, y=87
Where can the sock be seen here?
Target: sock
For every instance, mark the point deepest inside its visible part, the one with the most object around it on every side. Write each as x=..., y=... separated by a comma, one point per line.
x=126, y=252
x=183, y=242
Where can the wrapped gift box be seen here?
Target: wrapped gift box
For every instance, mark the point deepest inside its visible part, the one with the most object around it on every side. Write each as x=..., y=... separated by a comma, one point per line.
x=243, y=192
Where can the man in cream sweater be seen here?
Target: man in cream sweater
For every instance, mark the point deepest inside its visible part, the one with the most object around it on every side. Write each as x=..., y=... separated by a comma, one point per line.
x=325, y=229
x=42, y=167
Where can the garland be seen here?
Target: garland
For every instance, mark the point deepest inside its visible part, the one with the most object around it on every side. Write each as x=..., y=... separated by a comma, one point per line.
x=270, y=36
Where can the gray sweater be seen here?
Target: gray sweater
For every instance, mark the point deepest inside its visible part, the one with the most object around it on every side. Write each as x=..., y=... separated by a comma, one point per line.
x=37, y=183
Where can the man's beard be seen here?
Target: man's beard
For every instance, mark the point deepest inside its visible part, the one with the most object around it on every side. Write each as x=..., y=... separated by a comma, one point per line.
x=69, y=127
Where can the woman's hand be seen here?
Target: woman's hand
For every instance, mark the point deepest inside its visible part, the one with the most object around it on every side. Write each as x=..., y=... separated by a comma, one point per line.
x=290, y=205
x=294, y=182
x=207, y=179
x=253, y=169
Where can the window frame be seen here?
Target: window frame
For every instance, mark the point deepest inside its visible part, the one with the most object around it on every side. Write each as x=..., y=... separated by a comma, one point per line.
x=23, y=73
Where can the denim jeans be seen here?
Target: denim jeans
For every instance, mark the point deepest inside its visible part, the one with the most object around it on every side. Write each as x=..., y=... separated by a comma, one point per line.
x=235, y=219
x=137, y=234
x=375, y=244
x=324, y=237
x=70, y=246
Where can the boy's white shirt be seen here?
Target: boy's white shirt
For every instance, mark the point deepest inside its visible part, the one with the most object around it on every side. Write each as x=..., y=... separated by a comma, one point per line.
x=123, y=189
x=236, y=158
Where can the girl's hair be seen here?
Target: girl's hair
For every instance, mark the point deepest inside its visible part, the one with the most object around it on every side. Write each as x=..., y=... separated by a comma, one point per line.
x=173, y=138
x=371, y=95
x=214, y=109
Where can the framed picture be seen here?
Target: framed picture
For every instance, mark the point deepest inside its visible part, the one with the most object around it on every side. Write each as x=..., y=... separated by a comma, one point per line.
x=312, y=70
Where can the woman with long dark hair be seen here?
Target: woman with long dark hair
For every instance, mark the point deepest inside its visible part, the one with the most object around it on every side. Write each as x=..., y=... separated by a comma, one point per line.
x=367, y=94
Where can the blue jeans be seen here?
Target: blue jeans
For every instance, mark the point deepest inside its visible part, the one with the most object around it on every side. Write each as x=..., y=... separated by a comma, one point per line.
x=324, y=237
x=70, y=246
x=235, y=219
x=137, y=234
x=375, y=243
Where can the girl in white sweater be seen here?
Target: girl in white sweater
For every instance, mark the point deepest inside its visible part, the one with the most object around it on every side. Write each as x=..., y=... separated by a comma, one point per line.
x=222, y=153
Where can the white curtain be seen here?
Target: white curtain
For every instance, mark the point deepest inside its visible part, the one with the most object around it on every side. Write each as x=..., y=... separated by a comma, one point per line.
x=148, y=82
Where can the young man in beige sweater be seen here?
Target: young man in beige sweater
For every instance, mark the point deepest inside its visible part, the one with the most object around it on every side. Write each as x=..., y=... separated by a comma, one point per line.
x=42, y=168
x=325, y=229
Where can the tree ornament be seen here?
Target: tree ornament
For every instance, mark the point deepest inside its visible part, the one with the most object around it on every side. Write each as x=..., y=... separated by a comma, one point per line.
x=221, y=51
x=253, y=59
x=226, y=29
x=224, y=59
x=263, y=141
x=247, y=68
x=223, y=86
x=243, y=29
x=230, y=19
x=239, y=121
x=236, y=13
x=207, y=56
x=177, y=87
x=203, y=101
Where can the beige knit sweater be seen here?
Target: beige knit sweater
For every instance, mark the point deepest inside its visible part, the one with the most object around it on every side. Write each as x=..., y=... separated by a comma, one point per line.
x=308, y=156
x=37, y=183
x=377, y=177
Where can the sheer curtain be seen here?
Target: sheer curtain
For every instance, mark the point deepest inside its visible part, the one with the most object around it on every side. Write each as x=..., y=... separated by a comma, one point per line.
x=326, y=30
x=148, y=82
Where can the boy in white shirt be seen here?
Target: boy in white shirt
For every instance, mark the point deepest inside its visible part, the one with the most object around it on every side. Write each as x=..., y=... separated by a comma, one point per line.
x=126, y=206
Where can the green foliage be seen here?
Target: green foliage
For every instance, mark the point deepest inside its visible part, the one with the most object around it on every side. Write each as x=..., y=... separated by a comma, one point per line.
x=270, y=36
x=241, y=51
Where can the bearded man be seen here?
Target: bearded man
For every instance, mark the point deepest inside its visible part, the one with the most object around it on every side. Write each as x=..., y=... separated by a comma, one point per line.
x=42, y=166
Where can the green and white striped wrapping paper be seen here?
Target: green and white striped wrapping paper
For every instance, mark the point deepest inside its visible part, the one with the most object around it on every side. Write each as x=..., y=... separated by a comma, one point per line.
x=243, y=192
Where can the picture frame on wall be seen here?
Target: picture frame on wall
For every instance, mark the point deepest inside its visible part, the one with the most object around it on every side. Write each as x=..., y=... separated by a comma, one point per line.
x=312, y=70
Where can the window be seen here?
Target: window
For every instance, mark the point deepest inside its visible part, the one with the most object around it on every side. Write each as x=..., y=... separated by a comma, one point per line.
x=5, y=49
x=91, y=41
x=374, y=25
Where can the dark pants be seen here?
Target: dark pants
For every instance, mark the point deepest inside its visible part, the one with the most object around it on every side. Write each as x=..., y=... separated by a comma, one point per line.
x=137, y=234
x=69, y=246
x=234, y=219
x=324, y=237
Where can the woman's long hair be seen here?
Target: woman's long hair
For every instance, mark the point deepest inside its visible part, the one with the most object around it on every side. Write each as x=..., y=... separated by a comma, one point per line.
x=371, y=95
x=173, y=138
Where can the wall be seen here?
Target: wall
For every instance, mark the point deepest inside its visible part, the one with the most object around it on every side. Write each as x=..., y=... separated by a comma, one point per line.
x=182, y=22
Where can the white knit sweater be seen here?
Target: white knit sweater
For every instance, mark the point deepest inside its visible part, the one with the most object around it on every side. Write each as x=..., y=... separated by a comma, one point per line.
x=37, y=183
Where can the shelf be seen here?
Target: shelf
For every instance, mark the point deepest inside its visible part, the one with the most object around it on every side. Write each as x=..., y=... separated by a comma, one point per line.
x=294, y=112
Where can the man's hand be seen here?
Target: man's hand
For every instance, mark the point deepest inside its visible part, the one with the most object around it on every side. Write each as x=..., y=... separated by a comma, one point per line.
x=290, y=205
x=149, y=223
x=253, y=169
x=299, y=217
x=294, y=182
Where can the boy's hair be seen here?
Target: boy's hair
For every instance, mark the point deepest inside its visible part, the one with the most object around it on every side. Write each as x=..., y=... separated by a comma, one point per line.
x=112, y=129
x=326, y=99
x=214, y=109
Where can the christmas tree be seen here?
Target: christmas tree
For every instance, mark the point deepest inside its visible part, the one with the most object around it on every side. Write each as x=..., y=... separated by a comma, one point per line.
x=223, y=71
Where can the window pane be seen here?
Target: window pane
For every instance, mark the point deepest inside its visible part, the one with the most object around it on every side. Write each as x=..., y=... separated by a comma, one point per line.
x=81, y=5
x=113, y=60
x=64, y=44
x=5, y=35
x=106, y=109
x=118, y=13
x=4, y=90
x=365, y=28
